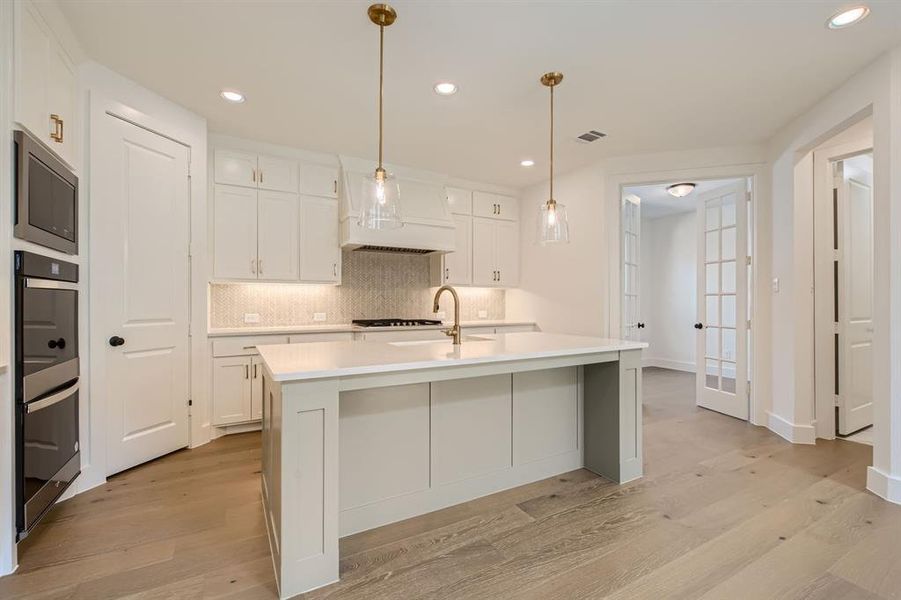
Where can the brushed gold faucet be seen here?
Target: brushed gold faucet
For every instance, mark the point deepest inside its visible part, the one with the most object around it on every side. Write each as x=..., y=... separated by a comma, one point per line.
x=455, y=330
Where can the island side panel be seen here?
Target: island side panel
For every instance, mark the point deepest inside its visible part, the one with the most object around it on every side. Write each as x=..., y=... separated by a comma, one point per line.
x=309, y=486
x=612, y=417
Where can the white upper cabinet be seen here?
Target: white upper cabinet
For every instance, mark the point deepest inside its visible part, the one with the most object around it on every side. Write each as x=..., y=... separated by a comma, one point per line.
x=45, y=84
x=320, y=252
x=236, y=168
x=255, y=170
x=277, y=225
x=495, y=206
x=319, y=181
x=495, y=253
x=234, y=233
x=276, y=174
x=455, y=268
x=459, y=201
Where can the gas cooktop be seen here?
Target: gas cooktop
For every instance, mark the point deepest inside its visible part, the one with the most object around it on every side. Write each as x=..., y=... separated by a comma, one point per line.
x=395, y=322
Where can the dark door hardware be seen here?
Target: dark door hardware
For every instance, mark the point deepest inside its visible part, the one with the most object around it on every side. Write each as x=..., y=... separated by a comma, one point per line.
x=116, y=341
x=699, y=326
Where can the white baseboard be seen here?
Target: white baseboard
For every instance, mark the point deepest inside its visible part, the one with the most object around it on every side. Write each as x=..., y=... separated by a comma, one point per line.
x=665, y=363
x=884, y=485
x=794, y=433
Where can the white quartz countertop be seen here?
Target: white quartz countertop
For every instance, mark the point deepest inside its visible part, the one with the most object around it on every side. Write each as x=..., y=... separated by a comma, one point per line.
x=346, y=327
x=322, y=360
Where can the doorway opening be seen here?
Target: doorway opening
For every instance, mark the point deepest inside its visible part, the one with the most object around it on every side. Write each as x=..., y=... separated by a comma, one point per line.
x=844, y=253
x=686, y=282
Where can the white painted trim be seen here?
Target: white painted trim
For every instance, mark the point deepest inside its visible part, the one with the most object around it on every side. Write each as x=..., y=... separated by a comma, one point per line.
x=884, y=485
x=794, y=433
x=760, y=298
x=665, y=363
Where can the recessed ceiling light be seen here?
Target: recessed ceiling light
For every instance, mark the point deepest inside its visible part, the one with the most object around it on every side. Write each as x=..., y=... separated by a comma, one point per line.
x=680, y=190
x=527, y=162
x=445, y=88
x=232, y=96
x=847, y=17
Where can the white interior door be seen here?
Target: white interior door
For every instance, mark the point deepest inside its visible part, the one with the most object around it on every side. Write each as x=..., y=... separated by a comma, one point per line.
x=140, y=281
x=854, y=266
x=631, y=227
x=722, y=357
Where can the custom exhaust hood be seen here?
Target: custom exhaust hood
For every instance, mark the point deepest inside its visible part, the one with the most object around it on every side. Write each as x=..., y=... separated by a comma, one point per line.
x=427, y=223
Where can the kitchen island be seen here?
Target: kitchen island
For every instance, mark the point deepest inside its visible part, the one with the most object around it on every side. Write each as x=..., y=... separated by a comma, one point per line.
x=359, y=435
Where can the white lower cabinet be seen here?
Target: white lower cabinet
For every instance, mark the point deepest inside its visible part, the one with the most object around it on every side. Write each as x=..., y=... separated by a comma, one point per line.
x=231, y=390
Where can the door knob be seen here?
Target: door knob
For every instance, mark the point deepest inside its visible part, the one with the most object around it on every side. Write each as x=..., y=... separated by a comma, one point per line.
x=116, y=341
x=60, y=343
x=640, y=325
x=699, y=326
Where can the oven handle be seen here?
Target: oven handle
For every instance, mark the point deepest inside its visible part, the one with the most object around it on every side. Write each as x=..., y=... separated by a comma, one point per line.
x=49, y=284
x=36, y=405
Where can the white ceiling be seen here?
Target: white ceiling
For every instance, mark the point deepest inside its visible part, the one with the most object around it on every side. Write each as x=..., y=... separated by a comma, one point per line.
x=654, y=75
x=656, y=201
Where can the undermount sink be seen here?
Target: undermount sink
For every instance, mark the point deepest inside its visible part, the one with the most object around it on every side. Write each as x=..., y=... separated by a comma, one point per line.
x=468, y=338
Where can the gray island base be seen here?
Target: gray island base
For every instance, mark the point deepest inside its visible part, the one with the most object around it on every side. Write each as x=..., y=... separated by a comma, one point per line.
x=359, y=435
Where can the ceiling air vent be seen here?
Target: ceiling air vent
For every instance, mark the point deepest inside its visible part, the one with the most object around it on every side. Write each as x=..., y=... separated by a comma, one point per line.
x=591, y=136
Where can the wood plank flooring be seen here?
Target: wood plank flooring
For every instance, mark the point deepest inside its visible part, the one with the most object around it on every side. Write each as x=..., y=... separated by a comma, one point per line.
x=726, y=510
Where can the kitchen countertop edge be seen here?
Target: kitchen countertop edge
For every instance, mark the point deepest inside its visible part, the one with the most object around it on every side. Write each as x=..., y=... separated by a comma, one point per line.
x=346, y=328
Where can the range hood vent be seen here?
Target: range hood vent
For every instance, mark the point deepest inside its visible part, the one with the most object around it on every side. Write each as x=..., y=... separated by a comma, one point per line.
x=427, y=222
x=393, y=250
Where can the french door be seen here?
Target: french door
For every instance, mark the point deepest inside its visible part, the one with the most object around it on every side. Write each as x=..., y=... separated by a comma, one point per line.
x=631, y=228
x=722, y=327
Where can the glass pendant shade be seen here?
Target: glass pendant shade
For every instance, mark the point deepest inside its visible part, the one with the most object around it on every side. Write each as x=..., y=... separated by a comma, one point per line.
x=553, y=225
x=381, y=197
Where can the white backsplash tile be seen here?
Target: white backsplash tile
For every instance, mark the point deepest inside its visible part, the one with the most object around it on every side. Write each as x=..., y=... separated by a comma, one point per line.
x=375, y=285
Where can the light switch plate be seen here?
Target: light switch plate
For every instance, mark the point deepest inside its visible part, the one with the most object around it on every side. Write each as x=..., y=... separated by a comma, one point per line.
x=251, y=317
x=483, y=314
x=320, y=316
x=775, y=285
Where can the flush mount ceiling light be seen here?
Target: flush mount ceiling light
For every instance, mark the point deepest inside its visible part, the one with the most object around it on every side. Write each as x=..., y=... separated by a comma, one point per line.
x=445, y=88
x=380, y=191
x=552, y=224
x=527, y=162
x=680, y=190
x=847, y=17
x=232, y=96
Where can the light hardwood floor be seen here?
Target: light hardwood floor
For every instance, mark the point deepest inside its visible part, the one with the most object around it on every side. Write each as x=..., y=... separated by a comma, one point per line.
x=726, y=510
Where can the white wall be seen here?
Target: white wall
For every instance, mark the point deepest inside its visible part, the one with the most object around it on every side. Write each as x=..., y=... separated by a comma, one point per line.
x=669, y=291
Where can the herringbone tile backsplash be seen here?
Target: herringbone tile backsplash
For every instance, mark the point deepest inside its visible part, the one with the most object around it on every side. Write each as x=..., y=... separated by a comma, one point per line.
x=374, y=285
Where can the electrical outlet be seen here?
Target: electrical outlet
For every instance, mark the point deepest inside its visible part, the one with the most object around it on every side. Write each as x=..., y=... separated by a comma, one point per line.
x=483, y=314
x=319, y=316
x=775, y=285
x=251, y=317
x=441, y=315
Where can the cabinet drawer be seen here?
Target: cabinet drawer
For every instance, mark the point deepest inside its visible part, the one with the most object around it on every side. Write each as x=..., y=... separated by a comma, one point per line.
x=495, y=206
x=305, y=338
x=245, y=346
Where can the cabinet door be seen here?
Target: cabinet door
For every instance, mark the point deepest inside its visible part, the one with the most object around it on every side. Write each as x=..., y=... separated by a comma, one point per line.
x=494, y=206
x=235, y=233
x=61, y=104
x=256, y=388
x=32, y=53
x=276, y=174
x=459, y=201
x=484, y=244
x=231, y=390
x=319, y=181
x=320, y=250
x=458, y=264
x=278, y=221
x=507, y=257
x=235, y=168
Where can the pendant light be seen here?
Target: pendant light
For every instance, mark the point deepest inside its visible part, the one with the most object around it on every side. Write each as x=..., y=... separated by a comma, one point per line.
x=380, y=191
x=552, y=224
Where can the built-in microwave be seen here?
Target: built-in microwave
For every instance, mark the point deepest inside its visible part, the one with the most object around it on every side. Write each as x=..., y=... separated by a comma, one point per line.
x=46, y=197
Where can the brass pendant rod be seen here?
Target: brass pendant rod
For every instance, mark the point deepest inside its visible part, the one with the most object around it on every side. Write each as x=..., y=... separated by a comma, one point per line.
x=552, y=146
x=381, y=87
